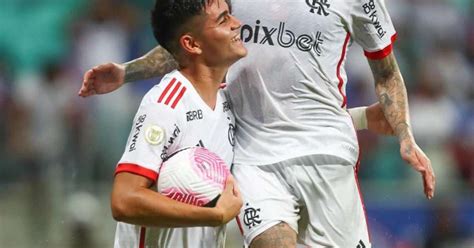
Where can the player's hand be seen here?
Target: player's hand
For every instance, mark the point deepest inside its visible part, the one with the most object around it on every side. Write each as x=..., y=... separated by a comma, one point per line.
x=102, y=79
x=414, y=156
x=376, y=121
x=230, y=202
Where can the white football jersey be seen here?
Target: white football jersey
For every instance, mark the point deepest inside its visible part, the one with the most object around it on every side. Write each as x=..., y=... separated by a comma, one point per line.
x=172, y=116
x=289, y=93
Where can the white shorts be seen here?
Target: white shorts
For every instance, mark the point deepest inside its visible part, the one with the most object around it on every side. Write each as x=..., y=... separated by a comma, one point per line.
x=132, y=236
x=317, y=196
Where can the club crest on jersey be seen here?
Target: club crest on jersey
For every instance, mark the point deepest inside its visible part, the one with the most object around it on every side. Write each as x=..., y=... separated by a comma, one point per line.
x=251, y=216
x=319, y=6
x=154, y=135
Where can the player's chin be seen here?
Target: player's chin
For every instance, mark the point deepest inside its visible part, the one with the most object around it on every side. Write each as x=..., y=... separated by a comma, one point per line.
x=240, y=52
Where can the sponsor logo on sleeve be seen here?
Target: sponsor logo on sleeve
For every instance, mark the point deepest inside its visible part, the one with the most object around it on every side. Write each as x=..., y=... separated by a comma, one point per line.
x=137, y=129
x=369, y=9
x=154, y=135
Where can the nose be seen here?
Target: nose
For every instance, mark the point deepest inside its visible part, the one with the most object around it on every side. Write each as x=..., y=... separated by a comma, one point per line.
x=236, y=24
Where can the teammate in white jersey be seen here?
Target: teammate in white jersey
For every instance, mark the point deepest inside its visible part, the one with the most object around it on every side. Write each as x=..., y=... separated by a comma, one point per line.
x=296, y=148
x=187, y=108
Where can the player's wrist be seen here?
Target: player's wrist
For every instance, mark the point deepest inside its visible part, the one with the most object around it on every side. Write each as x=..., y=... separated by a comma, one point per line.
x=218, y=216
x=128, y=74
x=359, y=117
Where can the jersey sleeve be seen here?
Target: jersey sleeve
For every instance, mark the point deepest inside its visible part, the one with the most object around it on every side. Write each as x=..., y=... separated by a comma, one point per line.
x=372, y=28
x=152, y=129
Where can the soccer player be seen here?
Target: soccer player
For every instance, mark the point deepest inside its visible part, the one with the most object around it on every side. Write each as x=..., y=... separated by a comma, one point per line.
x=187, y=108
x=296, y=149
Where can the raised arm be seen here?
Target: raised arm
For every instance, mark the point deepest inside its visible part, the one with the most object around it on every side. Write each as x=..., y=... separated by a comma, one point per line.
x=133, y=202
x=391, y=92
x=108, y=77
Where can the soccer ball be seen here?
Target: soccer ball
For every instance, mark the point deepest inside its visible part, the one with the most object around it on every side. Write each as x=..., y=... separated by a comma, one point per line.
x=193, y=175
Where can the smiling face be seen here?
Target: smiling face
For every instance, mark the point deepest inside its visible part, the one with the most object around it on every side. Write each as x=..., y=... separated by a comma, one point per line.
x=219, y=35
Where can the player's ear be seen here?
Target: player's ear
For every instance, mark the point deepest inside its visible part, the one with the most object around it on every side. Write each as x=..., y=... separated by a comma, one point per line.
x=189, y=44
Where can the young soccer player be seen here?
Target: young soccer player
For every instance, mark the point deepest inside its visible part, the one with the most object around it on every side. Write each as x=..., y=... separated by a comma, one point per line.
x=187, y=108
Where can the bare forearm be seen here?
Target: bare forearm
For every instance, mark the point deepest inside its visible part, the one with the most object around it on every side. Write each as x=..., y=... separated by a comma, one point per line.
x=156, y=62
x=133, y=202
x=148, y=208
x=392, y=95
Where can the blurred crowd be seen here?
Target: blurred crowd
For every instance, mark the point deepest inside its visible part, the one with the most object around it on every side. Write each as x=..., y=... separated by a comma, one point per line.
x=60, y=148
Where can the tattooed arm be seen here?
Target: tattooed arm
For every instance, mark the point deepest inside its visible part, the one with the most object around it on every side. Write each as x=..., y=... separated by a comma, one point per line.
x=156, y=62
x=108, y=77
x=392, y=95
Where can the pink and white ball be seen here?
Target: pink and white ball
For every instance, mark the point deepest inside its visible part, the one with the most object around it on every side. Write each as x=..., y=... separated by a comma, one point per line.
x=193, y=175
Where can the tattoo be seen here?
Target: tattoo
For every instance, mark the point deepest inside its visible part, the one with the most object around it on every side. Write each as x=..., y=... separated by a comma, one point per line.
x=280, y=235
x=392, y=94
x=385, y=100
x=155, y=63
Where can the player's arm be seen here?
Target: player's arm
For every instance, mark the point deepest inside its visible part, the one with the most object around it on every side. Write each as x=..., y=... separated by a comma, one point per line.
x=392, y=95
x=133, y=202
x=108, y=77
x=371, y=118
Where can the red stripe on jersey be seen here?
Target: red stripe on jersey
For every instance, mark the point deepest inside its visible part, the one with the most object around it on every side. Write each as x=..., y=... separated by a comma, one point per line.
x=142, y=237
x=222, y=86
x=239, y=225
x=382, y=53
x=341, y=81
x=138, y=170
x=168, y=87
x=180, y=95
x=176, y=88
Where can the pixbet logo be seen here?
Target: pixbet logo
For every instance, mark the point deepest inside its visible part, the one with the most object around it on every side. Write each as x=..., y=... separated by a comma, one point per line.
x=284, y=37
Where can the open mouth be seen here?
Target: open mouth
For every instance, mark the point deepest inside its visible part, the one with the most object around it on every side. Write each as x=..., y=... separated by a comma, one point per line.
x=236, y=38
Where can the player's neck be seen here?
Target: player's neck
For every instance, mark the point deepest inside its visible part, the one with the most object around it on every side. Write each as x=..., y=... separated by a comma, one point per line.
x=206, y=81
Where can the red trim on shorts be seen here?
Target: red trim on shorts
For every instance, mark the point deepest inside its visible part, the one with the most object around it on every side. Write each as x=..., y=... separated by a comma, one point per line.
x=382, y=53
x=341, y=81
x=138, y=170
x=239, y=225
x=142, y=237
x=180, y=95
x=361, y=199
x=168, y=87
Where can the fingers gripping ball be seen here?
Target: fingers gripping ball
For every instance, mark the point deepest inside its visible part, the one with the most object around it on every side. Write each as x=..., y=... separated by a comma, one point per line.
x=193, y=175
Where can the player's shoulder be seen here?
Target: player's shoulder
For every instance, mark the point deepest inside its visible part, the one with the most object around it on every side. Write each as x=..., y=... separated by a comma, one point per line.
x=168, y=94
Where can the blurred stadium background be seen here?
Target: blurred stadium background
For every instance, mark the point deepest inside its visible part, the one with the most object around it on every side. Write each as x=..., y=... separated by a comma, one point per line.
x=58, y=151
